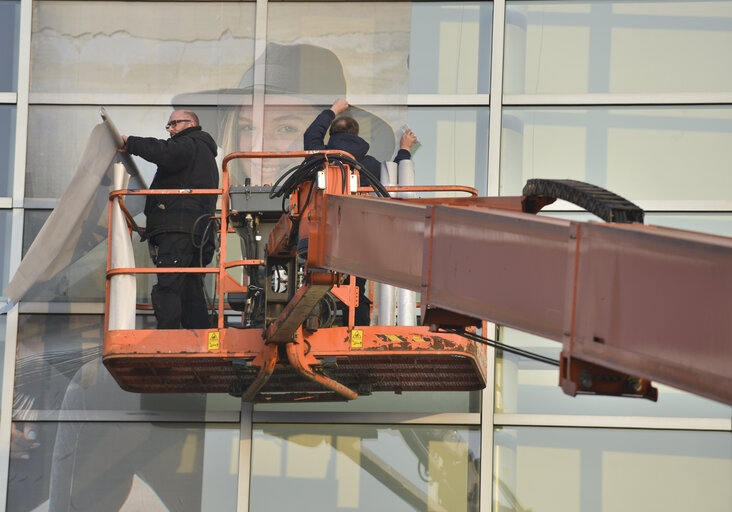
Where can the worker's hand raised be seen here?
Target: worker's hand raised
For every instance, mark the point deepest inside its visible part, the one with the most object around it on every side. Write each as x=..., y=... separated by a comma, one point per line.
x=408, y=138
x=339, y=106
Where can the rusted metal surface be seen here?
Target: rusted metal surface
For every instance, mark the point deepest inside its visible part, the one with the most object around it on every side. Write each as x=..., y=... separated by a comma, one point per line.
x=506, y=267
x=377, y=239
x=302, y=362
x=365, y=360
x=578, y=376
x=655, y=302
x=645, y=302
x=266, y=361
x=300, y=307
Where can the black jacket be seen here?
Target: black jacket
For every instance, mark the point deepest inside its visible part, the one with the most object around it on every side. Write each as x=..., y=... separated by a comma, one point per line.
x=314, y=139
x=185, y=161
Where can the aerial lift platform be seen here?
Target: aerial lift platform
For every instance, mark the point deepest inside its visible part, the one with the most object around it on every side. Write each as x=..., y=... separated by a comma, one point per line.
x=630, y=303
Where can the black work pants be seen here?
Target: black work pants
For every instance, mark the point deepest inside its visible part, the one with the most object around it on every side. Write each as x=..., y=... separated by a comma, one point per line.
x=178, y=299
x=362, y=314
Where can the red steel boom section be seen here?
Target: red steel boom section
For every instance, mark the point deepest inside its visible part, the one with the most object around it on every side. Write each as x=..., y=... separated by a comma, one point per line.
x=629, y=303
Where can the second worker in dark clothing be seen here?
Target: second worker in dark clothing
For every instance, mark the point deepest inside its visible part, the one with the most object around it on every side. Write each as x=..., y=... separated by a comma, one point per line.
x=344, y=137
x=176, y=223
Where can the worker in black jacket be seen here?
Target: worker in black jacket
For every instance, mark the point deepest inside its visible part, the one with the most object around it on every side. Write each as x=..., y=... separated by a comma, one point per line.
x=344, y=136
x=176, y=224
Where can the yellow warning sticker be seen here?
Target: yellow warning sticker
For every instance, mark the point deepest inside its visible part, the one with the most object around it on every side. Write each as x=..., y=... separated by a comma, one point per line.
x=214, y=341
x=357, y=338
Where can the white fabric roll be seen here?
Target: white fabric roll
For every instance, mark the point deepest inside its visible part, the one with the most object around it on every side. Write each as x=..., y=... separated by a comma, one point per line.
x=123, y=288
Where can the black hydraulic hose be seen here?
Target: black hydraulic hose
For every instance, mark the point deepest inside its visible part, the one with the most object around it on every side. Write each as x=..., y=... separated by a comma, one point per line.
x=308, y=168
x=506, y=348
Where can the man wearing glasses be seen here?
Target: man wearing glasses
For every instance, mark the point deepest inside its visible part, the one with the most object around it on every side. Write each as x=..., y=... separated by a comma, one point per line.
x=176, y=224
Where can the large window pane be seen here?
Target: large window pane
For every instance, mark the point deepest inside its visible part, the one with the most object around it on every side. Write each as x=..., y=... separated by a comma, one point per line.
x=57, y=136
x=454, y=146
x=128, y=466
x=370, y=39
x=9, y=35
x=450, y=48
x=640, y=153
x=59, y=368
x=525, y=386
x=282, y=128
x=84, y=279
x=617, y=47
x=365, y=468
x=573, y=470
x=159, y=48
x=7, y=148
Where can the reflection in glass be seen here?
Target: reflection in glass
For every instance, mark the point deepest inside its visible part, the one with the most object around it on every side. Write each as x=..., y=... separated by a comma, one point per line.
x=130, y=466
x=450, y=48
x=84, y=279
x=3, y=325
x=5, y=233
x=9, y=37
x=371, y=40
x=59, y=368
x=7, y=147
x=611, y=470
x=365, y=468
x=57, y=136
x=454, y=146
x=586, y=46
x=641, y=153
x=139, y=48
x=525, y=386
x=432, y=402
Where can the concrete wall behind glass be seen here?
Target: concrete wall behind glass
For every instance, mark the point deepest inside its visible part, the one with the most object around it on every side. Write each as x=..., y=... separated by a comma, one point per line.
x=641, y=153
x=568, y=47
x=131, y=48
x=187, y=467
x=450, y=48
x=575, y=469
x=364, y=468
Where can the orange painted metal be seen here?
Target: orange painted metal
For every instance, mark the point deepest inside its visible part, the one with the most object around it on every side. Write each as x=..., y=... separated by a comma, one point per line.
x=623, y=299
x=303, y=363
x=334, y=363
x=364, y=360
x=640, y=300
x=284, y=327
x=425, y=188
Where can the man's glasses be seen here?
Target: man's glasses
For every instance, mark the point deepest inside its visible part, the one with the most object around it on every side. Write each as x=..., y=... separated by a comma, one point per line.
x=176, y=121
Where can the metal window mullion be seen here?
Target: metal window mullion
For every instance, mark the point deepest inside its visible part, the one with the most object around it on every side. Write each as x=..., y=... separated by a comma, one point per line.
x=246, y=433
x=492, y=189
x=16, y=247
x=619, y=99
x=615, y=422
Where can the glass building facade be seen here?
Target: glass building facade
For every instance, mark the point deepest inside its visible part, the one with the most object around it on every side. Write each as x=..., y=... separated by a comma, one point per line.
x=631, y=96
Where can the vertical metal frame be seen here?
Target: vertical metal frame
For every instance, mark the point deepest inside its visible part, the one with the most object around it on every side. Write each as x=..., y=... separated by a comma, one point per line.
x=16, y=249
x=492, y=187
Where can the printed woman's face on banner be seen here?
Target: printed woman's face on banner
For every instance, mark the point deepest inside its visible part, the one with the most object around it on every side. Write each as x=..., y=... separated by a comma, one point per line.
x=281, y=130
